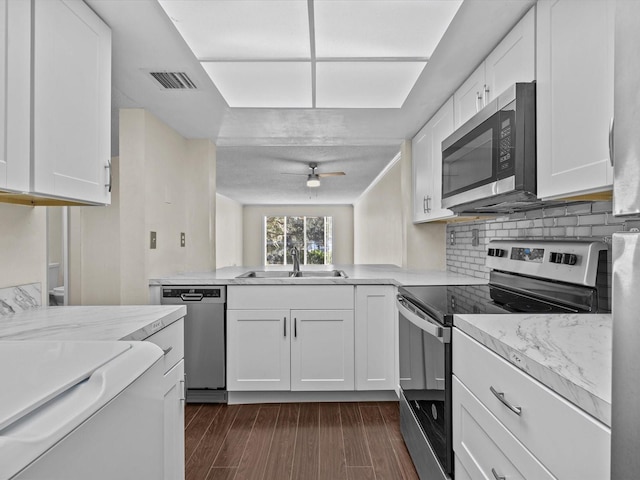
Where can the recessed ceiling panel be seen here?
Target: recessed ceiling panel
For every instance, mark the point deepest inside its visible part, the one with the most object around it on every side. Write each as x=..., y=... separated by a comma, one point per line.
x=262, y=84
x=242, y=29
x=365, y=84
x=381, y=28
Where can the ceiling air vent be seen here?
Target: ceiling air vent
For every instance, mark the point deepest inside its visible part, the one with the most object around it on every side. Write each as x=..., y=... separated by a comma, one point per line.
x=174, y=80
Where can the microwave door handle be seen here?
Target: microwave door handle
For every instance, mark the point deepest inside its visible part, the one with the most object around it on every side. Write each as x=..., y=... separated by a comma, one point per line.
x=442, y=334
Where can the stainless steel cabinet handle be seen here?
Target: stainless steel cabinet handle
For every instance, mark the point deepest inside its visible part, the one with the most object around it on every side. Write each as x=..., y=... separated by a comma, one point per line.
x=611, y=159
x=428, y=210
x=183, y=395
x=496, y=476
x=478, y=100
x=285, y=326
x=167, y=350
x=500, y=396
x=424, y=204
x=108, y=166
x=485, y=96
x=295, y=327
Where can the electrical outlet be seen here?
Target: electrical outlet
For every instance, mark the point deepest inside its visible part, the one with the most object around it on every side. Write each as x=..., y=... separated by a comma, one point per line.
x=152, y=241
x=182, y=239
x=475, y=239
x=452, y=237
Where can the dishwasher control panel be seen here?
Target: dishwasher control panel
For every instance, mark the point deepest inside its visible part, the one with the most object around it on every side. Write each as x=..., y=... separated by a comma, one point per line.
x=195, y=293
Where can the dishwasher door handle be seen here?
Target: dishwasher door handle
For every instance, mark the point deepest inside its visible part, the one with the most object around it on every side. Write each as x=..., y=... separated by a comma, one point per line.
x=191, y=297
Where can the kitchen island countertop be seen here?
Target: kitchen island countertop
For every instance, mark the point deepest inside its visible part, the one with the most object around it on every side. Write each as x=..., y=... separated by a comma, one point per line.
x=126, y=322
x=569, y=353
x=356, y=275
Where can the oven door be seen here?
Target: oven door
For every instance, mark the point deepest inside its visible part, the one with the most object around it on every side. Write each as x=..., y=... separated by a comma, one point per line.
x=480, y=164
x=425, y=391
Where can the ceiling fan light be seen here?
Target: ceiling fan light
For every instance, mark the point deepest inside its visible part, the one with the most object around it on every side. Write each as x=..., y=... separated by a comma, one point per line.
x=313, y=181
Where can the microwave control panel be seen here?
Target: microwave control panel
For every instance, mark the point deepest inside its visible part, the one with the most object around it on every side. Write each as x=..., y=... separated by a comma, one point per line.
x=505, y=146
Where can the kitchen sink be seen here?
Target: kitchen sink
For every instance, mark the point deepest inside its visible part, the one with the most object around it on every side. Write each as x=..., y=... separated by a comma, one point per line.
x=288, y=274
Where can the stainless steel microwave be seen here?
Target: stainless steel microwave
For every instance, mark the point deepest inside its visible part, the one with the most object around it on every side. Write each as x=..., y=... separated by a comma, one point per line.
x=489, y=163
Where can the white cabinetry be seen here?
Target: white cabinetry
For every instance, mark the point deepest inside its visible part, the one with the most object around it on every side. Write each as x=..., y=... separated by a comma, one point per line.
x=290, y=338
x=171, y=340
x=513, y=60
x=549, y=438
x=426, y=152
x=375, y=337
x=57, y=108
x=574, y=96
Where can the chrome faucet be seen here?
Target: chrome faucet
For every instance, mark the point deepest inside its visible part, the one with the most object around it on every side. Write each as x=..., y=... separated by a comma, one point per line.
x=295, y=254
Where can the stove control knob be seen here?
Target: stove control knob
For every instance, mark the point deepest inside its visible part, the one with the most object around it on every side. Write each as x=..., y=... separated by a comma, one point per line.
x=569, y=259
x=491, y=252
x=500, y=252
x=555, y=257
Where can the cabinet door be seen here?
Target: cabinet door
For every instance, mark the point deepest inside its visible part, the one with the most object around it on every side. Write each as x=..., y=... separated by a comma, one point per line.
x=420, y=149
x=322, y=350
x=469, y=98
x=72, y=102
x=3, y=93
x=513, y=60
x=574, y=96
x=427, y=166
x=375, y=339
x=174, y=422
x=258, y=350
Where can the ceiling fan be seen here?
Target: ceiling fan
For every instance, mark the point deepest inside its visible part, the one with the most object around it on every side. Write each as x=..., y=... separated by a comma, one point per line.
x=313, y=178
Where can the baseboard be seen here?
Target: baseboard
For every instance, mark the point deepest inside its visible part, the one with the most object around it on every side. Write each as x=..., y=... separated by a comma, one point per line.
x=235, y=398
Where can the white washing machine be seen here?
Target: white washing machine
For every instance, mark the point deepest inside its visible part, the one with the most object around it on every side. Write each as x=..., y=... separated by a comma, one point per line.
x=80, y=410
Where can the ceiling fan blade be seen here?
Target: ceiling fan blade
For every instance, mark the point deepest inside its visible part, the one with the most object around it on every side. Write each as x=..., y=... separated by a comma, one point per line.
x=331, y=174
x=288, y=173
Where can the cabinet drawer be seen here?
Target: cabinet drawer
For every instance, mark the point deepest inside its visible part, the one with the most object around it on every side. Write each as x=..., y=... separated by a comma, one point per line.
x=171, y=340
x=569, y=442
x=483, y=445
x=290, y=297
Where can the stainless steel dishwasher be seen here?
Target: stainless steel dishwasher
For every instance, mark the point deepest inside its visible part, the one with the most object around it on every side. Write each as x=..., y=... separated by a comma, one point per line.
x=204, y=339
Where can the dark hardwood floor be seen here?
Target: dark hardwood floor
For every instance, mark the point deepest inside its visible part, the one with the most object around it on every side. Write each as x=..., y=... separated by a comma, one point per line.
x=301, y=441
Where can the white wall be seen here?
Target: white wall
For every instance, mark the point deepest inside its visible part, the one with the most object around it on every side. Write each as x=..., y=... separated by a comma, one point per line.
x=384, y=231
x=162, y=183
x=378, y=223
x=229, y=236
x=253, y=221
x=23, y=245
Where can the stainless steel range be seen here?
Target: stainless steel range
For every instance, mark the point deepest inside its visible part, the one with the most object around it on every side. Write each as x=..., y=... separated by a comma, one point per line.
x=526, y=277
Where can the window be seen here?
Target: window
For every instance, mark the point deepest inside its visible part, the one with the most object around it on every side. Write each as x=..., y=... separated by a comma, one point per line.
x=312, y=235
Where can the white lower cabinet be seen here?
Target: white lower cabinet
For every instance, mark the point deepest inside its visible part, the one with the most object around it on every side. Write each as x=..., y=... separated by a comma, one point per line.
x=375, y=337
x=174, y=399
x=548, y=438
x=171, y=340
x=296, y=338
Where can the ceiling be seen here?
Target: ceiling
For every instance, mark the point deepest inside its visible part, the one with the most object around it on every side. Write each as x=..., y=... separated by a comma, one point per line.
x=257, y=145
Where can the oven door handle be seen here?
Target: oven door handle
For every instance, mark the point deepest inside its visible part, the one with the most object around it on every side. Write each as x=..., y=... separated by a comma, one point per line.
x=443, y=334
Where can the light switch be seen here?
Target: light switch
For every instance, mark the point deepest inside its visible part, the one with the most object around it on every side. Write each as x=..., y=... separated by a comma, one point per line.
x=152, y=242
x=182, y=239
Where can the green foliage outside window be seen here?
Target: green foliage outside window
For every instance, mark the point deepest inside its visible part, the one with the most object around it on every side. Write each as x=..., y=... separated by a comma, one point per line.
x=311, y=235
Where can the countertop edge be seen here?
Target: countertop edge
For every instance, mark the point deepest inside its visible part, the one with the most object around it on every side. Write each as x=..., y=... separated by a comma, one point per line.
x=179, y=311
x=583, y=399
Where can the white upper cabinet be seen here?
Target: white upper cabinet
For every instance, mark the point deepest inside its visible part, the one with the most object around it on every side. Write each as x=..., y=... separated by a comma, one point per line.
x=426, y=152
x=71, y=102
x=55, y=102
x=574, y=96
x=513, y=60
x=470, y=96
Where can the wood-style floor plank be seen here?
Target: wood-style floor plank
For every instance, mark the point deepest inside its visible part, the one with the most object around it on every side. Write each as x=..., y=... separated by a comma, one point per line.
x=331, y=443
x=221, y=473
x=197, y=427
x=307, y=441
x=384, y=460
x=207, y=451
x=360, y=473
x=280, y=461
x=254, y=460
x=356, y=448
x=233, y=446
x=306, y=453
x=391, y=416
x=190, y=411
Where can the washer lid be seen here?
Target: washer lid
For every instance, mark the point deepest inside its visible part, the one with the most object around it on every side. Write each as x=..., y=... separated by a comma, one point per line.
x=34, y=372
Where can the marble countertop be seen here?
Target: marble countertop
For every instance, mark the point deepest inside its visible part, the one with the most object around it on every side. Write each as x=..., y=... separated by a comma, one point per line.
x=127, y=322
x=356, y=275
x=569, y=353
